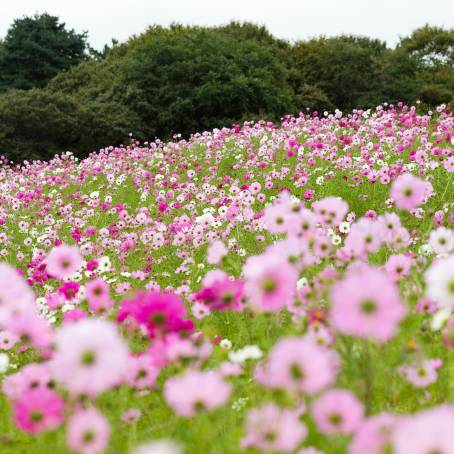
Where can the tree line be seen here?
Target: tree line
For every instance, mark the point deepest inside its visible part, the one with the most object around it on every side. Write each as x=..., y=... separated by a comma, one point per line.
x=58, y=94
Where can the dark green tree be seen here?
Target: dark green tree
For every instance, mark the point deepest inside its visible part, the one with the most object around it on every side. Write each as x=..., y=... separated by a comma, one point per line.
x=37, y=48
x=37, y=124
x=432, y=50
x=346, y=68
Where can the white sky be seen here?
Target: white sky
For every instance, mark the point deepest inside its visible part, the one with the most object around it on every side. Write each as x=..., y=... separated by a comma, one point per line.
x=288, y=19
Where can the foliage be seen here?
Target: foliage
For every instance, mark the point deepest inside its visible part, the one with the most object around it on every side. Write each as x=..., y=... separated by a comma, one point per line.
x=36, y=49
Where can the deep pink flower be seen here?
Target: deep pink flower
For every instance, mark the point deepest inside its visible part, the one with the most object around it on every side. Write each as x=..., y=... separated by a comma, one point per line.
x=158, y=312
x=69, y=289
x=222, y=294
x=38, y=410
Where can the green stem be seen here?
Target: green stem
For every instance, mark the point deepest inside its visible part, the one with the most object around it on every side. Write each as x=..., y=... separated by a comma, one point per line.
x=368, y=378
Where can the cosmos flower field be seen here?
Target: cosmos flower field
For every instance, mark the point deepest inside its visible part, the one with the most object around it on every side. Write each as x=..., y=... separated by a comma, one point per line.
x=282, y=288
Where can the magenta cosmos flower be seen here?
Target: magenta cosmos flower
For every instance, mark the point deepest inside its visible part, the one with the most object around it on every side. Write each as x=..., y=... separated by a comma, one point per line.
x=337, y=411
x=366, y=304
x=222, y=294
x=38, y=410
x=90, y=357
x=409, y=191
x=63, y=261
x=158, y=312
x=88, y=432
x=195, y=391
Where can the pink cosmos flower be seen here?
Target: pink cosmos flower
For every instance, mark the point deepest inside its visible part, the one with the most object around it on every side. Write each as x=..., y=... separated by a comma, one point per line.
x=32, y=330
x=195, y=391
x=90, y=357
x=299, y=364
x=63, y=261
x=131, y=415
x=270, y=428
x=88, y=432
x=442, y=240
x=331, y=210
x=337, y=411
x=142, y=372
x=38, y=410
x=7, y=340
x=216, y=251
x=97, y=294
x=373, y=435
x=429, y=431
x=409, y=191
x=16, y=296
x=30, y=377
x=270, y=282
x=365, y=237
x=421, y=373
x=366, y=304
x=398, y=266
x=426, y=305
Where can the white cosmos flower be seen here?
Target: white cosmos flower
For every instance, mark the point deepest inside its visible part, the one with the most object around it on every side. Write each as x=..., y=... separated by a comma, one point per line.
x=440, y=282
x=4, y=363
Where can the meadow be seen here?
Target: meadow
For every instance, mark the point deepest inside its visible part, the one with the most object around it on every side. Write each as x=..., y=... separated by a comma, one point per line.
x=260, y=288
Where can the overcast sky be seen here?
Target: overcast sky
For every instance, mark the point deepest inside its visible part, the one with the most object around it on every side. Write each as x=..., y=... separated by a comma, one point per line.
x=289, y=19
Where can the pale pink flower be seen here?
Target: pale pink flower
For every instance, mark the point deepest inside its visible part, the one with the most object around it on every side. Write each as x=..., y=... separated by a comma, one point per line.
x=440, y=282
x=88, y=432
x=337, y=411
x=366, y=304
x=299, y=364
x=90, y=357
x=421, y=373
x=196, y=391
x=409, y=191
x=63, y=261
x=398, y=266
x=429, y=431
x=442, y=240
x=331, y=210
x=373, y=435
x=270, y=282
x=16, y=296
x=270, y=428
x=216, y=251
